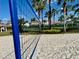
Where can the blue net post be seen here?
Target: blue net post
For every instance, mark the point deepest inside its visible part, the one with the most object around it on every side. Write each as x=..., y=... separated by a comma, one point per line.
x=14, y=20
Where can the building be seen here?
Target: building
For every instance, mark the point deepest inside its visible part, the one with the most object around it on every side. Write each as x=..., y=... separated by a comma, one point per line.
x=36, y=22
x=3, y=27
x=45, y=22
x=27, y=24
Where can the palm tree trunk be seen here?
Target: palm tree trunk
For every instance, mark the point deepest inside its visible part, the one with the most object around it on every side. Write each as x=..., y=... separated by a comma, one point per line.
x=49, y=18
x=42, y=18
x=39, y=20
x=64, y=23
x=72, y=24
x=54, y=18
x=65, y=13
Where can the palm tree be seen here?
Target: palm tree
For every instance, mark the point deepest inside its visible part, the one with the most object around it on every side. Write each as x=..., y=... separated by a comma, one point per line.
x=77, y=11
x=75, y=8
x=64, y=4
x=54, y=12
x=39, y=6
x=47, y=14
x=49, y=17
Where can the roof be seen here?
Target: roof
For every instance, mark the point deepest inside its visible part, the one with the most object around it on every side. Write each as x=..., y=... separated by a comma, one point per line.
x=2, y=24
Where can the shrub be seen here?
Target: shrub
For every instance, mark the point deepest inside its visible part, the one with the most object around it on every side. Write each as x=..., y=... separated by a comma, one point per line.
x=52, y=31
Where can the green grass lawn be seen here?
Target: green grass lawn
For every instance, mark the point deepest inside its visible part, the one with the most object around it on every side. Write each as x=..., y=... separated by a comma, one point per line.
x=9, y=32
x=73, y=31
x=35, y=30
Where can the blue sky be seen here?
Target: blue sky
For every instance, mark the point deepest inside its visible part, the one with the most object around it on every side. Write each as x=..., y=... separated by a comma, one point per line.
x=4, y=10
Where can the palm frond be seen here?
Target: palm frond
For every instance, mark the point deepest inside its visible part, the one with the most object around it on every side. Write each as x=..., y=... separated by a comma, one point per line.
x=77, y=5
x=77, y=10
x=59, y=2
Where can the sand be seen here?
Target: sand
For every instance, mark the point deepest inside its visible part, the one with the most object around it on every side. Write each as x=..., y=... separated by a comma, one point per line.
x=50, y=46
x=58, y=46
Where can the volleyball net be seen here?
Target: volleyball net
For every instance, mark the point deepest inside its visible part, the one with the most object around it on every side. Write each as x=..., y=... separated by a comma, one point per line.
x=25, y=16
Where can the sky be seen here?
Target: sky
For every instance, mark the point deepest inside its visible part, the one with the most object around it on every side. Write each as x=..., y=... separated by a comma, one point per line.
x=5, y=13
x=4, y=10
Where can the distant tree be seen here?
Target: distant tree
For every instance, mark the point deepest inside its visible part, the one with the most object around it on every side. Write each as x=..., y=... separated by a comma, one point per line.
x=53, y=13
x=48, y=15
x=39, y=5
x=33, y=19
x=44, y=20
x=0, y=21
x=72, y=19
x=21, y=24
x=61, y=18
x=26, y=21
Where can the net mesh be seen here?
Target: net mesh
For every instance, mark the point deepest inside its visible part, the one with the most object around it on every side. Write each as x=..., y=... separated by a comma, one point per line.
x=28, y=22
